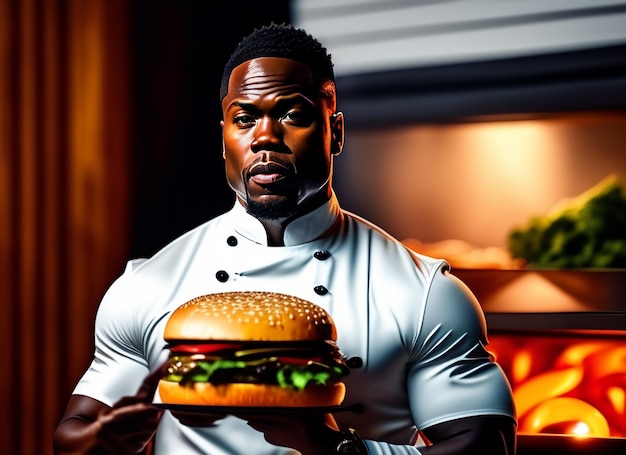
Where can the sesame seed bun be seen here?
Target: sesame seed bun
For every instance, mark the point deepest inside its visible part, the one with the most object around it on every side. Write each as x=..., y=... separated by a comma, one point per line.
x=251, y=395
x=250, y=316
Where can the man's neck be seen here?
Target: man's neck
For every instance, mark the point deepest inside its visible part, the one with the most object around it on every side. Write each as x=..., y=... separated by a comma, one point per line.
x=275, y=229
x=275, y=232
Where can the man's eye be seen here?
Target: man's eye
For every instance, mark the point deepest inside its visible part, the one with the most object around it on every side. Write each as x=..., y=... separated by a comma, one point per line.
x=244, y=120
x=297, y=117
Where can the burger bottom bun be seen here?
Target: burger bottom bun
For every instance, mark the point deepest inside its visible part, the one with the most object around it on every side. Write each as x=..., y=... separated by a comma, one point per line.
x=253, y=395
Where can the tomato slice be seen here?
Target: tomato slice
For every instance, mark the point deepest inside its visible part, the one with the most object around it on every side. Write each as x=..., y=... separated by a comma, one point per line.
x=298, y=360
x=203, y=348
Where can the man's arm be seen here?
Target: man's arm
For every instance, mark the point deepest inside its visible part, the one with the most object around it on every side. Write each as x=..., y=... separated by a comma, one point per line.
x=316, y=434
x=478, y=434
x=90, y=427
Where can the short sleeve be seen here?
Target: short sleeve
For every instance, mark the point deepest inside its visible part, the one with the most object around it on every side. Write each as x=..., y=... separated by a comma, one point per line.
x=119, y=364
x=451, y=374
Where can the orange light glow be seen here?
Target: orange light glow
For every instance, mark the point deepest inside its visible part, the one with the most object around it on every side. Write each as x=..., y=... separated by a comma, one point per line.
x=617, y=396
x=575, y=354
x=544, y=386
x=586, y=419
x=522, y=364
x=581, y=429
x=566, y=385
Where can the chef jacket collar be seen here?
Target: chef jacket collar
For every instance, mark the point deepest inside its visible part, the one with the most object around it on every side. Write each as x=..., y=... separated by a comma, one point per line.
x=304, y=229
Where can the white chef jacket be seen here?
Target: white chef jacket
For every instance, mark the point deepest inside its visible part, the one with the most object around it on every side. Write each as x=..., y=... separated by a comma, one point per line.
x=418, y=330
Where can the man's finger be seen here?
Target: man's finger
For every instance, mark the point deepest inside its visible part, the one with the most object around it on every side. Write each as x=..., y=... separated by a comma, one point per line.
x=150, y=383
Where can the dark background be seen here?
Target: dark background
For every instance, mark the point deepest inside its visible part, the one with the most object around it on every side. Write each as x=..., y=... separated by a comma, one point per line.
x=179, y=50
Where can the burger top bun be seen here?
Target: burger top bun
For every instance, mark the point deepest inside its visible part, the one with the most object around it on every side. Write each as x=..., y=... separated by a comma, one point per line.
x=250, y=316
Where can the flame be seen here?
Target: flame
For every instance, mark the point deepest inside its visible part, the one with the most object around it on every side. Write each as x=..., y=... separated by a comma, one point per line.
x=545, y=386
x=522, y=364
x=575, y=354
x=586, y=418
x=581, y=429
x=566, y=385
x=617, y=396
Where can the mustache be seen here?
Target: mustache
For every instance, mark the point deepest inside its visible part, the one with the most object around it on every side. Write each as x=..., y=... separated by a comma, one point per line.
x=269, y=164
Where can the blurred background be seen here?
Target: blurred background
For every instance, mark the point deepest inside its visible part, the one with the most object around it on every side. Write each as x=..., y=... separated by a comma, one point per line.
x=464, y=118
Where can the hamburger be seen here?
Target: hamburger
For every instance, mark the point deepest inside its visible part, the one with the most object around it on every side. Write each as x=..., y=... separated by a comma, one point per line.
x=252, y=349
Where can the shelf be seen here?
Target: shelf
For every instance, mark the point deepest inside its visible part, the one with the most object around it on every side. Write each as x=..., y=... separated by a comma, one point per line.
x=548, y=291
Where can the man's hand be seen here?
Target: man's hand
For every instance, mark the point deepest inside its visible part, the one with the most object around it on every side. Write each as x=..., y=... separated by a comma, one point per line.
x=310, y=433
x=130, y=424
x=90, y=426
x=192, y=419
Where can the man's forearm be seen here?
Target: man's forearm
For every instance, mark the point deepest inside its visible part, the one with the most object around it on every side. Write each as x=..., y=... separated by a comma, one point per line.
x=481, y=434
x=76, y=436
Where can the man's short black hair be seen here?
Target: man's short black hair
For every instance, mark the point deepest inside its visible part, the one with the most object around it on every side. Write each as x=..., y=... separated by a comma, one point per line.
x=286, y=41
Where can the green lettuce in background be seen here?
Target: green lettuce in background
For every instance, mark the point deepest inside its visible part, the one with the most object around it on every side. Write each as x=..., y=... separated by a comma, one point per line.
x=588, y=231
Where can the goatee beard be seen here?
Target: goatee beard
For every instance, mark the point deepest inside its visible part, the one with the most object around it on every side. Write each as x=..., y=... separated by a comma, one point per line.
x=272, y=210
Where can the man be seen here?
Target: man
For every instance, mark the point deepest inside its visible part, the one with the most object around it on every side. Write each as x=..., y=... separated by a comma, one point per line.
x=416, y=331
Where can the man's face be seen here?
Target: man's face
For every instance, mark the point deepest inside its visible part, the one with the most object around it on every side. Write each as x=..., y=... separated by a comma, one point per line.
x=278, y=137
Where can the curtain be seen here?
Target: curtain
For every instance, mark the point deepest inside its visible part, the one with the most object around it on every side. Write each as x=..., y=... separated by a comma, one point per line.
x=64, y=183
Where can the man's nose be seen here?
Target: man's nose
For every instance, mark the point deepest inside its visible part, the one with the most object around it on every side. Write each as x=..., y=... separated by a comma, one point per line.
x=267, y=134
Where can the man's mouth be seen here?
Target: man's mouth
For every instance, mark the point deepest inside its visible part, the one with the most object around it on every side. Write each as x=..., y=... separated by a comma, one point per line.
x=267, y=173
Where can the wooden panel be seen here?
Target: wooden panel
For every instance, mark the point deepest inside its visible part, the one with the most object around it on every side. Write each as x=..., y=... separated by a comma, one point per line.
x=64, y=164
x=7, y=237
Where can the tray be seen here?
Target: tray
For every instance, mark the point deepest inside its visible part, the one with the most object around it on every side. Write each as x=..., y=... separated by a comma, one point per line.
x=200, y=409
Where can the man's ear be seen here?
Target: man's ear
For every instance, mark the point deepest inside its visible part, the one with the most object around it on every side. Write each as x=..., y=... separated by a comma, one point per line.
x=223, y=147
x=337, y=132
